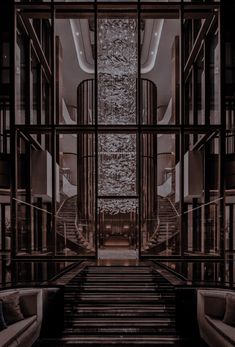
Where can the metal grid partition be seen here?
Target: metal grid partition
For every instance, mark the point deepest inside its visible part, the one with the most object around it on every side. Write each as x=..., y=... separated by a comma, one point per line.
x=206, y=18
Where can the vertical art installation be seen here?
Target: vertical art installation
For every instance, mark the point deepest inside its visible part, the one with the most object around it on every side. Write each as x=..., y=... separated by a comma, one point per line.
x=117, y=85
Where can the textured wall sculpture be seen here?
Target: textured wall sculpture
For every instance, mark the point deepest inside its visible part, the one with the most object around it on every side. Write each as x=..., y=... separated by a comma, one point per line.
x=117, y=76
x=117, y=164
x=117, y=71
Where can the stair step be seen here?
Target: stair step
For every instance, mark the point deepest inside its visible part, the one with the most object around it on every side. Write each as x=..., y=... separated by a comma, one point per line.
x=136, y=340
x=121, y=321
x=107, y=290
x=129, y=306
x=166, y=307
x=120, y=330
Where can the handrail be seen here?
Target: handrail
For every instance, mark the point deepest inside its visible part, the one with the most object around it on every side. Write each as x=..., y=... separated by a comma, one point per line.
x=156, y=231
x=43, y=210
x=31, y=205
x=62, y=204
x=195, y=208
x=85, y=242
x=206, y=204
x=170, y=220
x=173, y=206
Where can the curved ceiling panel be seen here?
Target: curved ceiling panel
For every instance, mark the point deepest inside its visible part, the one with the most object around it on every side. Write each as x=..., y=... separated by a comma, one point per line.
x=81, y=37
x=82, y=41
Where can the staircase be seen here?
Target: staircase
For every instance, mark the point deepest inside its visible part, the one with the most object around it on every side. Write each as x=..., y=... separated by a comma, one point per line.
x=168, y=227
x=75, y=241
x=168, y=219
x=118, y=305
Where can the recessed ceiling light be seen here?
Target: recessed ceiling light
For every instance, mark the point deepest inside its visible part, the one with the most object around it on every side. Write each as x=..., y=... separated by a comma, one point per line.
x=81, y=52
x=152, y=52
x=77, y=33
x=155, y=34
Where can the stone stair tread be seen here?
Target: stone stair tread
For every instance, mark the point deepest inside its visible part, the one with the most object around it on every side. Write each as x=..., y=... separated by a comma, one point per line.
x=122, y=320
x=118, y=306
x=121, y=330
x=106, y=340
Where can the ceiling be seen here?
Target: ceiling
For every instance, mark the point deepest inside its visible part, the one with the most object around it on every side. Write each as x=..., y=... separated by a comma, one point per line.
x=156, y=49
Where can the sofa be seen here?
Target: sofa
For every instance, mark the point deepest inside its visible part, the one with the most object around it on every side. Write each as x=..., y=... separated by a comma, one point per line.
x=216, y=317
x=24, y=332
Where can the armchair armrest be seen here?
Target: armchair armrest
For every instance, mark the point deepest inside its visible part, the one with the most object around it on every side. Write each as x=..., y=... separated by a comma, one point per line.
x=31, y=303
x=211, y=303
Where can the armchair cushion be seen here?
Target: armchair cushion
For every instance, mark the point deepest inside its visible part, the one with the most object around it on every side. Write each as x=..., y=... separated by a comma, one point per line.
x=214, y=305
x=13, y=331
x=28, y=303
x=11, y=307
x=3, y=324
x=223, y=329
x=229, y=317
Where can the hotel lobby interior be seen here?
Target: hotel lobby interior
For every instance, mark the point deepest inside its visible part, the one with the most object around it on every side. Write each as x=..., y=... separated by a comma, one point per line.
x=117, y=190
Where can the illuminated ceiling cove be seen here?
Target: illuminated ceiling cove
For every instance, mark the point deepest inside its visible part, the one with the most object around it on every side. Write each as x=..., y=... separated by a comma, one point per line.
x=117, y=76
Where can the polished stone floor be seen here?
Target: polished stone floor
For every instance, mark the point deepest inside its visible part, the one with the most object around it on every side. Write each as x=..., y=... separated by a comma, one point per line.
x=117, y=253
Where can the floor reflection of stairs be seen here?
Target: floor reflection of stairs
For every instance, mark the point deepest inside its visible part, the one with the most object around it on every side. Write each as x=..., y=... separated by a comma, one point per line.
x=117, y=253
x=116, y=241
x=118, y=305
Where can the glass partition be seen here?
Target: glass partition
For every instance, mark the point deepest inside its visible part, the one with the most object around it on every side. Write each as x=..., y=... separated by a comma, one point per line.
x=75, y=217
x=33, y=197
x=202, y=197
x=33, y=69
x=160, y=207
x=116, y=107
x=75, y=66
x=159, y=67
x=200, y=273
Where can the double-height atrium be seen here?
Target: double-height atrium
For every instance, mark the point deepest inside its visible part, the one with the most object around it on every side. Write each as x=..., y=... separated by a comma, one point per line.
x=117, y=173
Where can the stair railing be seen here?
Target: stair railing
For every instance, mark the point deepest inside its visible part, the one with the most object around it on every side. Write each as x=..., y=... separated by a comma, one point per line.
x=80, y=235
x=175, y=234
x=154, y=235
x=153, y=241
